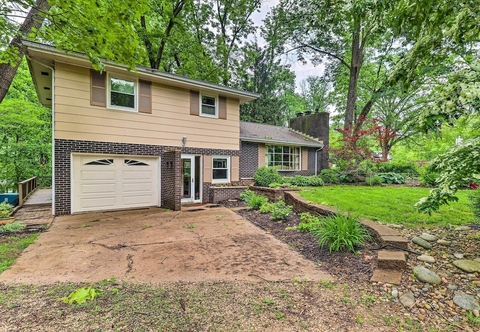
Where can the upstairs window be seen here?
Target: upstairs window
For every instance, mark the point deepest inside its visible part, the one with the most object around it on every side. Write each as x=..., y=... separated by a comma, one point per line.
x=208, y=106
x=122, y=93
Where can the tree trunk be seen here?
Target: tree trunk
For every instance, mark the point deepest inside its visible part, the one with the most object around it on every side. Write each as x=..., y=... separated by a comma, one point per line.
x=33, y=20
x=355, y=66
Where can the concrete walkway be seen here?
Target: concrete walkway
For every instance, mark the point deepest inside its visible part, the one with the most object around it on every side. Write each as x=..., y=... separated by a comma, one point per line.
x=207, y=243
x=40, y=197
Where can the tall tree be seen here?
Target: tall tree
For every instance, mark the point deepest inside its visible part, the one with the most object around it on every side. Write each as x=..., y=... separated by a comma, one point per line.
x=274, y=82
x=13, y=54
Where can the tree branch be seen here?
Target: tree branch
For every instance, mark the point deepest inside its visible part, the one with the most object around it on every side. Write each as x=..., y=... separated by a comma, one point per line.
x=322, y=52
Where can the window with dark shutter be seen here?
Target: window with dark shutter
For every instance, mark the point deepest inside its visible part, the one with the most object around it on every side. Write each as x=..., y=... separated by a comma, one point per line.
x=145, y=97
x=98, y=90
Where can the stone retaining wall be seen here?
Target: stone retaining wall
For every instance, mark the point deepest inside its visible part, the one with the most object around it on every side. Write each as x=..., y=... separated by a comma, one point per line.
x=273, y=194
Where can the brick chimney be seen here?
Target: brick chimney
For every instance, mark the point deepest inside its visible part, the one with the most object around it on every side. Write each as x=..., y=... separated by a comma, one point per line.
x=315, y=125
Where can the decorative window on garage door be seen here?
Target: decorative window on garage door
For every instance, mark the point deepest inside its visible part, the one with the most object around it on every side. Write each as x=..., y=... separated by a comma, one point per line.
x=131, y=162
x=100, y=162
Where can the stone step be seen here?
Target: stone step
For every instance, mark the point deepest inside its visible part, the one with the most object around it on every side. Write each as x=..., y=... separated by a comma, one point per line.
x=387, y=276
x=392, y=260
x=397, y=241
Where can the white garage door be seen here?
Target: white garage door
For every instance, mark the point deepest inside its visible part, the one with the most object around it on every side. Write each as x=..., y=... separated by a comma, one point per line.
x=102, y=182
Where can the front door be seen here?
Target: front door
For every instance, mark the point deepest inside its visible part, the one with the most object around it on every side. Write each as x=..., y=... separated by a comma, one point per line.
x=191, y=178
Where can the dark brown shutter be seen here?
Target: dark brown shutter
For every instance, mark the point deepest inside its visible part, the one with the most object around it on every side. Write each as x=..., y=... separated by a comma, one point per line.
x=145, y=97
x=98, y=90
x=222, y=107
x=194, y=102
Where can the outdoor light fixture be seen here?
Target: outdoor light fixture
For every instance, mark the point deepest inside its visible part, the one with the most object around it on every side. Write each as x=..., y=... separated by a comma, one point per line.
x=184, y=141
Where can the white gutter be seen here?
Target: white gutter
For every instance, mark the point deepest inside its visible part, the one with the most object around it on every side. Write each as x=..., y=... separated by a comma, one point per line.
x=266, y=140
x=316, y=160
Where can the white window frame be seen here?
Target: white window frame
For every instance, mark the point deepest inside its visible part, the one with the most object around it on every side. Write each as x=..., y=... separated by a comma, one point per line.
x=227, y=180
x=216, y=105
x=283, y=145
x=109, y=92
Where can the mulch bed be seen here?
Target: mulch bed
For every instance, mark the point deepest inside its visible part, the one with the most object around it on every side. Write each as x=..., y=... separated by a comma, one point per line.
x=346, y=266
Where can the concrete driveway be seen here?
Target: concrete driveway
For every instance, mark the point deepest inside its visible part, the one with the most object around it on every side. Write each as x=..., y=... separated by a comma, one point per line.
x=153, y=245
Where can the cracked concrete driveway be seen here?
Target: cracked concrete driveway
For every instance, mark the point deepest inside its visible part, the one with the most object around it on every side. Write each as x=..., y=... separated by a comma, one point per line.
x=153, y=245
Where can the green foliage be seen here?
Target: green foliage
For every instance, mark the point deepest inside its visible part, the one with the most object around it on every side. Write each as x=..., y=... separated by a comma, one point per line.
x=341, y=233
x=81, y=295
x=13, y=247
x=329, y=175
x=5, y=210
x=266, y=208
x=304, y=181
x=308, y=223
x=456, y=168
x=264, y=176
x=392, y=178
x=12, y=227
x=252, y=200
x=25, y=139
x=428, y=177
x=280, y=211
x=401, y=166
x=373, y=180
x=389, y=204
x=474, y=204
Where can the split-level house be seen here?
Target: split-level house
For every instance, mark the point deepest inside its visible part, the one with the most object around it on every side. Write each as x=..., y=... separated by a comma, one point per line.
x=127, y=139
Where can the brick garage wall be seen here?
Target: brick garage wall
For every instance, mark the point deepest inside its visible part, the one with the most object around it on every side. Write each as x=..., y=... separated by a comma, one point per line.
x=64, y=149
x=248, y=159
x=171, y=180
x=223, y=193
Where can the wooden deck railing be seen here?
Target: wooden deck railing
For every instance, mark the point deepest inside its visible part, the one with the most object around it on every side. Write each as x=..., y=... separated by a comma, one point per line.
x=25, y=188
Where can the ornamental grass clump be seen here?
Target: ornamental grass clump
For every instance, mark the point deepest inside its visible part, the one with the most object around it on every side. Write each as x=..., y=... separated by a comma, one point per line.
x=341, y=233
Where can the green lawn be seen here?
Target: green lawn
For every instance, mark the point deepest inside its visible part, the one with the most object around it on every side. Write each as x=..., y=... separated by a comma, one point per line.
x=11, y=246
x=389, y=204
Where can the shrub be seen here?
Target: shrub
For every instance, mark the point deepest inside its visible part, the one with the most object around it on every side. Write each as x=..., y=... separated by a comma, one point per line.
x=11, y=228
x=329, y=175
x=315, y=181
x=428, y=177
x=308, y=223
x=373, y=180
x=252, y=200
x=264, y=176
x=474, y=204
x=304, y=181
x=347, y=178
x=280, y=211
x=266, y=208
x=297, y=180
x=405, y=167
x=341, y=233
x=392, y=178
x=5, y=210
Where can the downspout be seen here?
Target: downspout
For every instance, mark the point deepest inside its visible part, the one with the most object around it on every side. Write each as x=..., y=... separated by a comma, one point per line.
x=53, y=129
x=316, y=160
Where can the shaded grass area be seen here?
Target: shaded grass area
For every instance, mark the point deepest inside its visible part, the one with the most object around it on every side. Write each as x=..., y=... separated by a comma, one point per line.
x=12, y=245
x=210, y=306
x=389, y=204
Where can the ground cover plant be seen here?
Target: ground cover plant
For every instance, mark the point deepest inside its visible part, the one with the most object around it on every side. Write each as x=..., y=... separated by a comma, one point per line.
x=390, y=204
x=12, y=245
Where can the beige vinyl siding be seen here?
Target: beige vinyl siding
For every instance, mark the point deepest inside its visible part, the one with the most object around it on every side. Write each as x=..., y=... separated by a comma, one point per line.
x=170, y=120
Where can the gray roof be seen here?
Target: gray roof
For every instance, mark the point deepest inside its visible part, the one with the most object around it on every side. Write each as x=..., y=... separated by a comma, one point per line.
x=257, y=132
